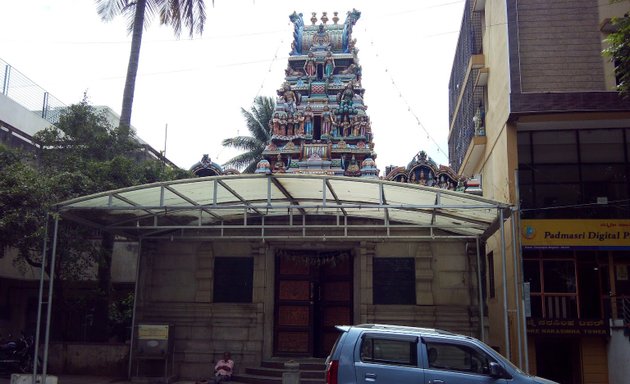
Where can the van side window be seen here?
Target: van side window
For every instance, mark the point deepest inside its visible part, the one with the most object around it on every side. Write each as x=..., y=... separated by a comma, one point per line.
x=388, y=351
x=457, y=357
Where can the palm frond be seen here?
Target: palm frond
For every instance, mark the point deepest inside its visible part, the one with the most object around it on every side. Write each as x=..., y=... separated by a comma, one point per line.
x=149, y=13
x=246, y=143
x=251, y=168
x=244, y=160
x=109, y=9
x=257, y=121
x=190, y=13
x=258, y=117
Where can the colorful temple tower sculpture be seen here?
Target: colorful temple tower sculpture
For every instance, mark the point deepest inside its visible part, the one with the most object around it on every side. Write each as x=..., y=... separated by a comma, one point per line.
x=320, y=125
x=423, y=170
x=207, y=167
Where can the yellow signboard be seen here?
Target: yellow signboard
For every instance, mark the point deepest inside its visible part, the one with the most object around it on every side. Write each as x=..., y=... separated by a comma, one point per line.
x=152, y=332
x=590, y=234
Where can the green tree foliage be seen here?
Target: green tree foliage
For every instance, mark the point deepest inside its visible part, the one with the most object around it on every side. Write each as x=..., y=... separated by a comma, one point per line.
x=257, y=120
x=81, y=155
x=619, y=52
x=190, y=13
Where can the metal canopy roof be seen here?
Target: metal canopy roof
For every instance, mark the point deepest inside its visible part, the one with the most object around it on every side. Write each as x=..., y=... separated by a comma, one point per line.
x=285, y=206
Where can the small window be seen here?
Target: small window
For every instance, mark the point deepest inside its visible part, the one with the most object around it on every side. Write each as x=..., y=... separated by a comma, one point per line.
x=457, y=357
x=394, y=280
x=388, y=351
x=491, y=288
x=233, y=279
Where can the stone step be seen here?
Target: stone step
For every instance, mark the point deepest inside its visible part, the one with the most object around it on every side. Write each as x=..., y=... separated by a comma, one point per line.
x=305, y=364
x=312, y=371
x=276, y=372
x=257, y=379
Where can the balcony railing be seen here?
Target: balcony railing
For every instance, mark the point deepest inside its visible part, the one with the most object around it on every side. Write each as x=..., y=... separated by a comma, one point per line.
x=468, y=44
x=464, y=97
x=620, y=309
x=31, y=96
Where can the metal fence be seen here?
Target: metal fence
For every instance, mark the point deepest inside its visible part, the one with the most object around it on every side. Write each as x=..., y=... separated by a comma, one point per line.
x=469, y=44
x=16, y=86
x=623, y=309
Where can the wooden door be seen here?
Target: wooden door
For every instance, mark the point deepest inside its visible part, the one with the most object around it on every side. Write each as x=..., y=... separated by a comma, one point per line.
x=334, y=304
x=311, y=298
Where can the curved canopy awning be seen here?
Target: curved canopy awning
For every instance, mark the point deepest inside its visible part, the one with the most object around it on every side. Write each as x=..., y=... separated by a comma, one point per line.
x=283, y=206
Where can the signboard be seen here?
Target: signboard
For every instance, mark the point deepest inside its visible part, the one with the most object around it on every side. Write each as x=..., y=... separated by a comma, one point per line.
x=152, y=332
x=573, y=327
x=576, y=234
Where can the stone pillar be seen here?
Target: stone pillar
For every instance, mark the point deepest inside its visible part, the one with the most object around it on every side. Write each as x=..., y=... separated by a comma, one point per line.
x=424, y=274
x=291, y=374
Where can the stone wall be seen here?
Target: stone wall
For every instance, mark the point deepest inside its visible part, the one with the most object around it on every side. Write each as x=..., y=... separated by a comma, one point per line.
x=176, y=284
x=93, y=359
x=570, y=30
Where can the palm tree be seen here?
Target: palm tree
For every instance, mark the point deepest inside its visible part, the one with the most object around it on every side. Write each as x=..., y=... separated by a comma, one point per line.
x=191, y=13
x=257, y=119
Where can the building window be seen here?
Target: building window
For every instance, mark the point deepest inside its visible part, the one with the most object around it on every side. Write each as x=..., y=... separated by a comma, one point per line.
x=561, y=171
x=553, y=286
x=394, y=280
x=491, y=287
x=233, y=279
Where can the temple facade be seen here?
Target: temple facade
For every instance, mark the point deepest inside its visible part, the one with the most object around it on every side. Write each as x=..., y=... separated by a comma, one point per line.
x=266, y=265
x=320, y=124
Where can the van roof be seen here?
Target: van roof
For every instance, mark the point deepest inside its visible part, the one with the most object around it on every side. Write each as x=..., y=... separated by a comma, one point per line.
x=400, y=328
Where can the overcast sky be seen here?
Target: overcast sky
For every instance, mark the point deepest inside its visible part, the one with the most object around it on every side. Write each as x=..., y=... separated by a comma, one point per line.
x=197, y=86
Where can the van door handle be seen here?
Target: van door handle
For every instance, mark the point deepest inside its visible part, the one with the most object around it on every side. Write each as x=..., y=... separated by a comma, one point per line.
x=436, y=381
x=370, y=376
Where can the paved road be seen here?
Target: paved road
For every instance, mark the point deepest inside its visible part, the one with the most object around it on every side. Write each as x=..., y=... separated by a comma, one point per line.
x=76, y=379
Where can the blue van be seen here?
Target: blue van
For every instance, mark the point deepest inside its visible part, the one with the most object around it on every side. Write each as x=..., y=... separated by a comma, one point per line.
x=393, y=354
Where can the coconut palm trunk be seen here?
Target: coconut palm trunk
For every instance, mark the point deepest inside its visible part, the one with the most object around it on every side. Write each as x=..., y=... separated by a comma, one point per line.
x=134, y=62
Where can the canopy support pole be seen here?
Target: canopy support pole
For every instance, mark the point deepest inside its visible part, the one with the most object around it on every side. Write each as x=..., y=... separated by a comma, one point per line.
x=40, y=298
x=133, y=313
x=505, y=293
x=479, y=283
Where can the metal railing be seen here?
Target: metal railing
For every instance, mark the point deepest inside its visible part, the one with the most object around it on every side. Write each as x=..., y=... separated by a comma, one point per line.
x=19, y=88
x=469, y=44
x=622, y=306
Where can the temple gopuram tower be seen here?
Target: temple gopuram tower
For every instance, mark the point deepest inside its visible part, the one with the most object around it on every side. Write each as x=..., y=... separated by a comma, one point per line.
x=320, y=125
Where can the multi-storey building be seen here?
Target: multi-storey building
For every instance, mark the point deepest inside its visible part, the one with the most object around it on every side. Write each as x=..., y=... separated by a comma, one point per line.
x=534, y=112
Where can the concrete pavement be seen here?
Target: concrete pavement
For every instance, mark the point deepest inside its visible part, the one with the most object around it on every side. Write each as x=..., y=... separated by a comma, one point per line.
x=83, y=379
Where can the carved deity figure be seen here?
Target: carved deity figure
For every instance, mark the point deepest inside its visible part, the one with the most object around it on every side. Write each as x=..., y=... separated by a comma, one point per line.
x=356, y=126
x=346, y=126
x=353, y=168
x=329, y=65
x=443, y=183
x=326, y=121
x=308, y=121
x=299, y=124
x=364, y=126
x=310, y=67
x=350, y=70
x=290, y=125
x=290, y=99
x=292, y=71
x=321, y=38
x=422, y=179
x=283, y=125
x=274, y=124
x=279, y=167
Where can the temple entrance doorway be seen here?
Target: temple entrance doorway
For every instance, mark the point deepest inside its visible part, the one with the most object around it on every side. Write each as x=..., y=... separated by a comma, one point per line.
x=313, y=293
